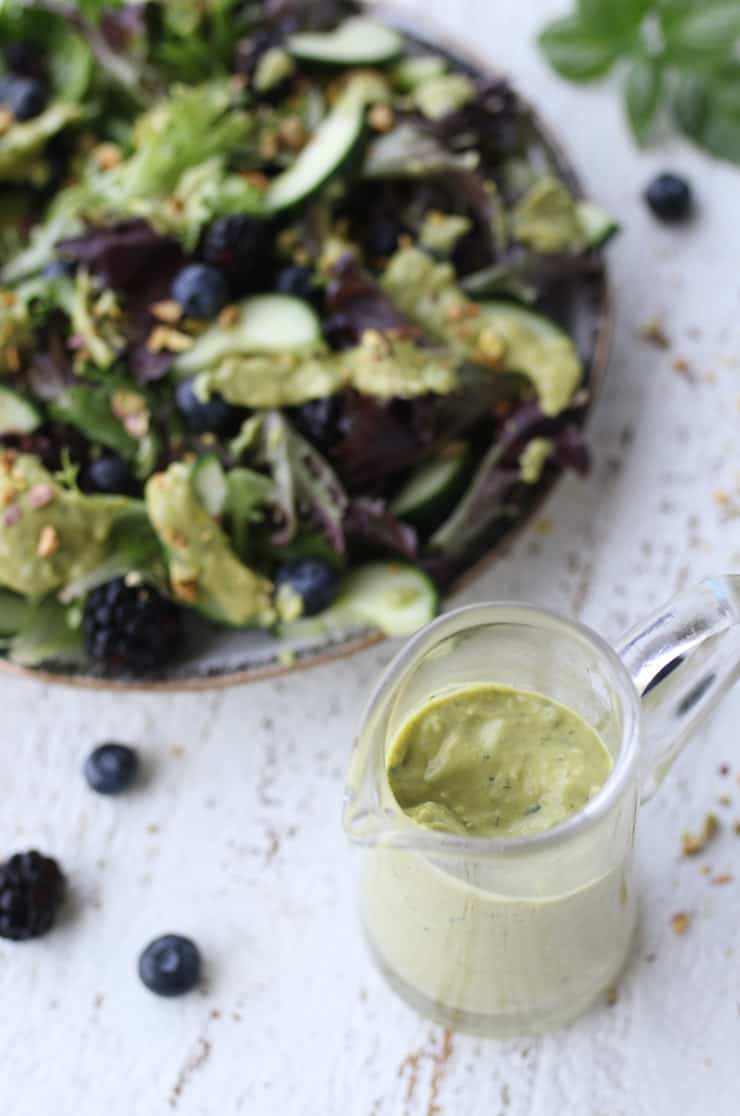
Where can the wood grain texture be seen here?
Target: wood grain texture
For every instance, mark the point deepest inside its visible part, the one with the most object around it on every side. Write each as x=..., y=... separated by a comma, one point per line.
x=235, y=838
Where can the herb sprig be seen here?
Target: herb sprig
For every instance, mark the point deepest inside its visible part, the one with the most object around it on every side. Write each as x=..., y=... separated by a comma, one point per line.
x=678, y=58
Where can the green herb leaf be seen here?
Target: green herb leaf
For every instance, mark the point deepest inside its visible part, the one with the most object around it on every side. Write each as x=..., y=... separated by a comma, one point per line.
x=642, y=94
x=708, y=111
x=575, y=51
x=712, y=27
x=612, y=17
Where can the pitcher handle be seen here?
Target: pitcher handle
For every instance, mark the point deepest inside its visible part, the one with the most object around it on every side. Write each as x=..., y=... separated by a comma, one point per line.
x=682, y=660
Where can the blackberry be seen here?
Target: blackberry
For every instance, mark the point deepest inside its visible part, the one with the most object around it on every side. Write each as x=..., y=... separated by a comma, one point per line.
x=170, y=965
x=312, y=579
x=31, y=890
x=298, y=281
x=319, y=421
x=131, y=628
x=241, y=247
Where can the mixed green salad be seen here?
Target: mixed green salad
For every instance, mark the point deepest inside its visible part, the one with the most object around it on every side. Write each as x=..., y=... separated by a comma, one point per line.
x=284, y=307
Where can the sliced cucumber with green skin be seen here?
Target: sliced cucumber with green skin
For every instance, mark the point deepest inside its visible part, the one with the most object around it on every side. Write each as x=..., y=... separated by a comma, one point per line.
x=210, y=484
x=392, y=596
x=13, y=612
x=333, y=144
x=538, y=349
x=271, y=322
x=356, y=42
x=598, y=225
x=17, y=414
x=432, y=488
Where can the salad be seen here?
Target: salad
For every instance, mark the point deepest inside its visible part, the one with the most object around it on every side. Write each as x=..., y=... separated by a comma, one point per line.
x=284, y=297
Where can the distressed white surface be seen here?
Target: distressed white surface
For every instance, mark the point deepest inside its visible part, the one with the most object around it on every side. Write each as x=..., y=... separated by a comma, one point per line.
x=235, y=837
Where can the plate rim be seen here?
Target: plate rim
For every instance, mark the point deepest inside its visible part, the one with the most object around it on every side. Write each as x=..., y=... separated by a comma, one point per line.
x=604, y=330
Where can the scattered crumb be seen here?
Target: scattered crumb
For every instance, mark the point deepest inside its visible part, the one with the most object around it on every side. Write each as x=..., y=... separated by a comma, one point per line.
x=152, y=828
x=215, y=1013
x=191, y=1065
x=736, y=827
x=680, y=922
x=653, y=333
x=723, y=878
x=724, y=769
x=724, y=800
x=177, y=750
x=229, y=317
x=236, y=1017
x=705, y=869
x=650, y=957
x=612, y=995
x=167, y=310
x=544, y=526
x=692, y=844
x=682, y=366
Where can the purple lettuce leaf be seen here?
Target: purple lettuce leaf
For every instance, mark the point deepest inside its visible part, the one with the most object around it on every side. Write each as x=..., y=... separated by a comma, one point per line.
x=357, y=303
x=369, y=525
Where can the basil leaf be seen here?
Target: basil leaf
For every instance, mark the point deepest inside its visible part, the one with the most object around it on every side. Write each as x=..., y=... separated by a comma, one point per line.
x=689, y=104
x=612, y=17
x=713, y=27
x=709, y=113
x=642, y=93
x=574, y=51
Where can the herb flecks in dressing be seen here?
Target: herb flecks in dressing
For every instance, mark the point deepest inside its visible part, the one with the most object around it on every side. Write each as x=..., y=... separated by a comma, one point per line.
x=494, y=761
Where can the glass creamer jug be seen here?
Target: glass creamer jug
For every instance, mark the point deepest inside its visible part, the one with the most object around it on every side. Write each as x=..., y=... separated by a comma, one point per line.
x=504, y=936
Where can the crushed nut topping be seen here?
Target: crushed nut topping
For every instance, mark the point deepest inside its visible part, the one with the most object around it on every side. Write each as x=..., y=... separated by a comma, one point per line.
x=185, y=590
x=654, y=334
x=680, y=922
x=292, y=133
x=108, y=156
x=692, y=844
x=163, y=337
x=40, y=495
x=490, y=349
x=723, y=878
x=48, y=541
x=12, y=358
x=229, y=317
x=167, y=310
x=381, y=118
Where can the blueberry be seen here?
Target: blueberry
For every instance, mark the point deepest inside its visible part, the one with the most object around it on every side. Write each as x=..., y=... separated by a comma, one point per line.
x=201, y=291
x=110, y=474
x=111, y=768
x=24, y=96
x=215, y=416
x=382, y=236
x=670, y=197
x=170, y=965
x=298, y=281
x=312, y=579
x=57, y=268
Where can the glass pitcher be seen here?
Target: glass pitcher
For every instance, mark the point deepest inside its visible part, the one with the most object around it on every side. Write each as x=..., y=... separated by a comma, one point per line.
x=503, y=936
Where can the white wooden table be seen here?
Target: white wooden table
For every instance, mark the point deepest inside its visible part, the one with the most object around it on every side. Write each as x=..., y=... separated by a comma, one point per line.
x=235, y=836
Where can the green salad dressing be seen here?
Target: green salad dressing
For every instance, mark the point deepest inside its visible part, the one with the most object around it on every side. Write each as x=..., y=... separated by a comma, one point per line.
x=494, y=761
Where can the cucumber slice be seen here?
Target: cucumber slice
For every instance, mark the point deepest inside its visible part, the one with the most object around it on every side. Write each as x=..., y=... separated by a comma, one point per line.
x=17, y=414
x=432, y=488
x=598, y=225
x=272, y=322
x=356, y=42
x=13, y=612
x=210, y=484
x=334, y=142
x=397, y=598
x=538, y=349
